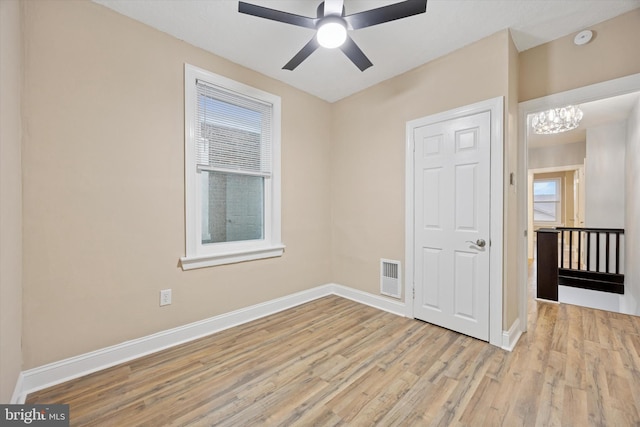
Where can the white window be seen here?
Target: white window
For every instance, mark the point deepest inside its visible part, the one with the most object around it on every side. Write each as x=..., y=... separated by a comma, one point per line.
x=547, y=201
x=232, y=171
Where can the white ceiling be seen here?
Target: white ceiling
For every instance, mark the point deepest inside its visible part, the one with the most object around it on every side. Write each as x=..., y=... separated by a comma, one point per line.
x=596, y=113
x=394, y=47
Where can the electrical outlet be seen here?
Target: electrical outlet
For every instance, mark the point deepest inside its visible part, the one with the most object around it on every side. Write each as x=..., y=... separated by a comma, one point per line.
x=165, y=297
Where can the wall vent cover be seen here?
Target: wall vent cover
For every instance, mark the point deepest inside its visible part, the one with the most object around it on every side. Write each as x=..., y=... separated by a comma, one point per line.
x=390, y=278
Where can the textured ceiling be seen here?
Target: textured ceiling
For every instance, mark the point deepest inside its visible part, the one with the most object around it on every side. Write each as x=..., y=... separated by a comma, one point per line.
x=394, y=47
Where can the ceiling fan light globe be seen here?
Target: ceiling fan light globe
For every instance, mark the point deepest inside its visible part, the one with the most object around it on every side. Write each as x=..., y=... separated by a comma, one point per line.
x=332, y=34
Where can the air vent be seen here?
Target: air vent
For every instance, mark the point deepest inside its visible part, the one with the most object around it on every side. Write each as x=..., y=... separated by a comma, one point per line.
x=390, y=278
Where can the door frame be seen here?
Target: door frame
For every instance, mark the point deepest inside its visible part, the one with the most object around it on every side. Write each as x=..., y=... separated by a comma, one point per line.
x=530, y=174
x=496, y=107
x=594, y=92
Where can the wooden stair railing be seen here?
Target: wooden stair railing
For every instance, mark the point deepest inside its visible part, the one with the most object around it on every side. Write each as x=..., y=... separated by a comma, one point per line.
x=590, y=258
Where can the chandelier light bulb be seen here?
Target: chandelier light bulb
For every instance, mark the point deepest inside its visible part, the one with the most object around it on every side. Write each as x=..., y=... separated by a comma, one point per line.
x=556, y=120
x=332, y=32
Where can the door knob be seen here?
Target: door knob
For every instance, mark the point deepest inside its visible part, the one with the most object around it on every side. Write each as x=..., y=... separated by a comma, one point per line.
x=480, y=242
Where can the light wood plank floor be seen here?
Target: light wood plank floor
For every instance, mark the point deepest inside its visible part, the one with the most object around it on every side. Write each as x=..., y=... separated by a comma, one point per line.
x=336, y=362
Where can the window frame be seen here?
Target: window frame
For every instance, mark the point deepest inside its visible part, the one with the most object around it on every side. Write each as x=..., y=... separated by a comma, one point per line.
x=200, y=255
x=559, y=201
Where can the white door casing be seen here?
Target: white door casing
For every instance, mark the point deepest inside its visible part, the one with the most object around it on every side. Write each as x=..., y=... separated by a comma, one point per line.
x=606, y=89
x=452, y=194
x=474, y=265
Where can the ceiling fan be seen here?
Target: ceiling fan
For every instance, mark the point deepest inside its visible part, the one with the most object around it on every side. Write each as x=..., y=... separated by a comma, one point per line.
x=331, y=25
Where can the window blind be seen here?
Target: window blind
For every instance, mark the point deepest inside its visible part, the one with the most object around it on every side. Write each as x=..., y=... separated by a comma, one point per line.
x=233, y=132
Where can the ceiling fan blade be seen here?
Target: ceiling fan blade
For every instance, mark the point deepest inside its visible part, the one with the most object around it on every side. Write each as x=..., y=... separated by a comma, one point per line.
x=357, y=56
x=276, y=15
x=333, y=7
x=304, y=53
x=384, y=14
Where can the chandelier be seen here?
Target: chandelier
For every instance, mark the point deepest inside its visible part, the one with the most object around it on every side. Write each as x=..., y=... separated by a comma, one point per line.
x=556, y=120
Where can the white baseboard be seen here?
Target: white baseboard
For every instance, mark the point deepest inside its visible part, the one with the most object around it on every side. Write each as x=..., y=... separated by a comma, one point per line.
x=589, y=298
x=74, y=367
x=510, y=338
x=381, y=303
x=18, y=395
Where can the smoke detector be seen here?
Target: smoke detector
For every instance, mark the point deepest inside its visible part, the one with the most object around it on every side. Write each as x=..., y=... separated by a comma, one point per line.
x=583, y=37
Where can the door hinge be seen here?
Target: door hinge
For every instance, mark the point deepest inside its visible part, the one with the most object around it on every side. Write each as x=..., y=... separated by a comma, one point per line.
x=414, y=292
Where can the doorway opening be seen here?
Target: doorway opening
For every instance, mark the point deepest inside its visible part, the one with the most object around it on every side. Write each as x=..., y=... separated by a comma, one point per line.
x=591, y=156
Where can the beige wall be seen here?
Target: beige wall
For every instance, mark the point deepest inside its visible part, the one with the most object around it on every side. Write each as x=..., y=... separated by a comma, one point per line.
x=512, y=237
x=103, y=186
x=368, y=151
x=561, y=65
x=10, y=198
x=557, y=155
x=631, y=300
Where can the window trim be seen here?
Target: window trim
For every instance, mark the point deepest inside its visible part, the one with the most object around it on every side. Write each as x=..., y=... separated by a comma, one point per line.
x=559, y=202
x=197, y=254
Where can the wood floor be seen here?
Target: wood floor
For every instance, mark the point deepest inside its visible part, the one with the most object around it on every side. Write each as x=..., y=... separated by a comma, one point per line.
x=336, y=362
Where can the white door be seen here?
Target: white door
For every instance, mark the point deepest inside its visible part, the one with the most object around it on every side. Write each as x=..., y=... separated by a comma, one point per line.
x=452, y=215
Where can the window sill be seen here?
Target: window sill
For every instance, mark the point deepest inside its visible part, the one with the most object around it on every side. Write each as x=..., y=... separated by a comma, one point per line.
x=201, y=261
